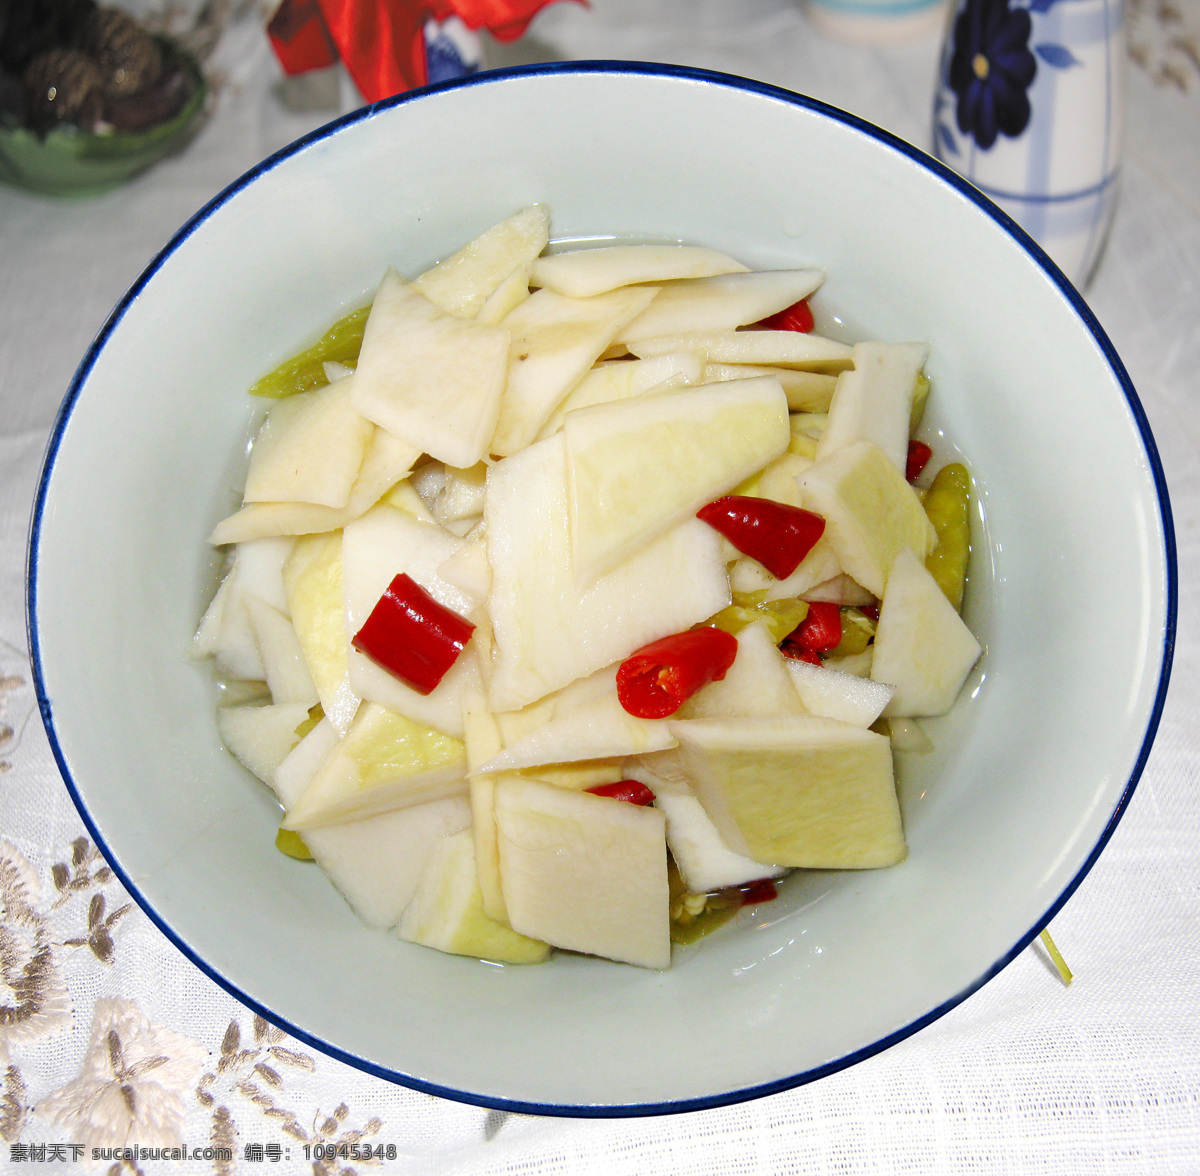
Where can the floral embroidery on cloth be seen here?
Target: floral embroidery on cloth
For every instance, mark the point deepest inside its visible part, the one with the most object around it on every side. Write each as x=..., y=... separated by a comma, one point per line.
x=131, y=1085
x=33, y=998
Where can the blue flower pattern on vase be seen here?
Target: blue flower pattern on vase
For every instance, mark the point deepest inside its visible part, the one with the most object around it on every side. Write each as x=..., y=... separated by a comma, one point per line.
x=991, y=70
x=1028, y=109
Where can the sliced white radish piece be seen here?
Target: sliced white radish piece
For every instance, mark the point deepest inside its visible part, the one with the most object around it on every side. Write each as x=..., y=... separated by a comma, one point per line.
x=464, y=282
x=581, y=273
x=807, y=791
x=841, y=590
x=234, y=648
x=637, y=467
x=388, y=459
x=922, y=646
x=428, y=376
x=461, y=494
x=835, y=694
x=384, y=762
x=377, y=862
x=873, y=402
x=260, y=569
x=722, y=302
x=583, y=872
x=313, y=579
x=871, y=513
x=594, y=727
x=547, y=631
x=261, y=737
x=805, y=391
x=284, y=665
x=309, y=449
x=446, y=911
x=757, y=685
x=205, y=639
x=706, y=863
x=778, y=348
x=506, y=297
x=620, y=379
x=290, y=779
x=555, y=340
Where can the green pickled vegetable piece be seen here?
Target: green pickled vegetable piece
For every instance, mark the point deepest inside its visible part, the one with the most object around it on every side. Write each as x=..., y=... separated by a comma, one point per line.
x=858, y=631
x=315, y=715
x=694, y=915
x=718, y=909
x=303, y=372
x=920, y=396
x=1056, y=955
x=781, y=616
x=291, y=843
x=948, y=505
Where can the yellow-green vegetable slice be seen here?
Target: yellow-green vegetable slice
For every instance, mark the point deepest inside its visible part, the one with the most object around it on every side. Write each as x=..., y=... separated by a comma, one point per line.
x=1056, y=956
x=695, y=915
x=948, y=505
x=303, y=372
x=291, y=843
x=920, y=396
x=780, y=616
x=858, y=631
x=315, y=715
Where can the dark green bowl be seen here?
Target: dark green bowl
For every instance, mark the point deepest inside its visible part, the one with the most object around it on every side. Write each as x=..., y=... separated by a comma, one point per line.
x=70, y=162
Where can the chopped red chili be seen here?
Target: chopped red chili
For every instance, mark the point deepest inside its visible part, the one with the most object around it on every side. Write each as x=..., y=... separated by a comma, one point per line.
x=819, y=632
x=412, y=636
x=918, y=457
x=797, y=317
x=656, y=680
x=798, y=654
x=633, y=791
x=779, y=536
x=763, y=890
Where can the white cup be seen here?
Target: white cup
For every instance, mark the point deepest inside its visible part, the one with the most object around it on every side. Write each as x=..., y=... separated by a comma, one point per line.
x=876, y=22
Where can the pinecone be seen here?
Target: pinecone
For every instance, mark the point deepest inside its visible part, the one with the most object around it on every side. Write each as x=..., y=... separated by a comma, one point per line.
x=30, y=27
x=64, y=85
x=161, y=100
x=127, y=55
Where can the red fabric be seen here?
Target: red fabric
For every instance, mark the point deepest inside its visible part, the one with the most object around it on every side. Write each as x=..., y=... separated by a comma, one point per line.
x=299, y=37
x=382, y=42
x=506, y=20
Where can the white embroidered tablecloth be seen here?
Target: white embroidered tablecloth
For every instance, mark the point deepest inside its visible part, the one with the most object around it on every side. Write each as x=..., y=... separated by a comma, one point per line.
x=108, y=1034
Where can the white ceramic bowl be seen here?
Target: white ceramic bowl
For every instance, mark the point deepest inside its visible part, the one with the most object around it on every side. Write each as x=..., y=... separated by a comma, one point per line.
x=1073, y=590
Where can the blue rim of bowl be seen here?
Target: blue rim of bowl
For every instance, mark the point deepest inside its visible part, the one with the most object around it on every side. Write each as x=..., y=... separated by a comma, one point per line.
x=489, y=77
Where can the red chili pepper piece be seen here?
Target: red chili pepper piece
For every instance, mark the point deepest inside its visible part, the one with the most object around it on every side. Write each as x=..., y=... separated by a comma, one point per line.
x=918, y=457
x=412, y=636
x=870, y=611
x=763, y=890
x=779, y=536
x=633, y=791
x=797, y=317
x=798, y=654
x=820, y=631
x=656, y=680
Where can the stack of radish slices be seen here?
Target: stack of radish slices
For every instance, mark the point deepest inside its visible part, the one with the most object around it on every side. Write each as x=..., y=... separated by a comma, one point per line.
x=571, y=590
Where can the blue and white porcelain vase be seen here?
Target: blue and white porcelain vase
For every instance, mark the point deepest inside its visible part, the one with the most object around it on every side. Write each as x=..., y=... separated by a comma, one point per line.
x=1029, y=109
x=451, y=50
